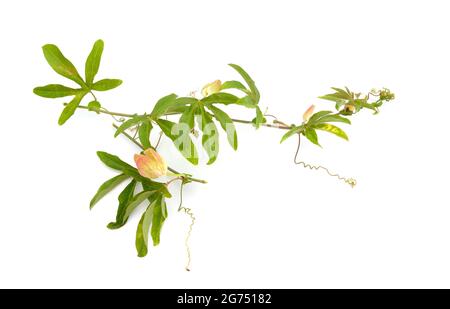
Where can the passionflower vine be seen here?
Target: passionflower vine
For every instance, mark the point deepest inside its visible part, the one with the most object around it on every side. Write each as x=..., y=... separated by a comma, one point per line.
x=211, y=88
x=150, y=164
x=308, y=113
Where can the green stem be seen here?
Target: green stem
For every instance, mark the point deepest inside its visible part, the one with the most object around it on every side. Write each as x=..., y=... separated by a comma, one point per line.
x=268, y=125
x=108, y=112
x=279, y=125
x=169, y=168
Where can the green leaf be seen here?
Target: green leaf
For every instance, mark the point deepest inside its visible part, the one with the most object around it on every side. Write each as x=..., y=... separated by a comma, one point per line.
x=116, y=163
x=144, y=133
x=143, y=230
x=186, y=100
x=135, y=202
x=251, y=84
x=93, y=61
x=156, y=186
x=181, y=104
x=234, y=84
x=311, y=134
x=210, y=137
x=332, y=129
x=220, y=97
x=227, y=125
x=343, y=94
x=259, y=119
x=61, y=64
x=163, y=105
x=176, y=109
x=247, y=102
x=129, y=123
x=94, y=106
x=106, y=84
x=291, y=132
x=106, y=187
x=159, y=216
x=55, y=91
x=70, y=108
x=333, y=118
x=188, y=116
x=181, y=139
x=318, y=115
x=124, y=199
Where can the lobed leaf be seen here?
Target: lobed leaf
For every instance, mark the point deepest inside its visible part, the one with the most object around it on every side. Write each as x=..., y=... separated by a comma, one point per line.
x=234, y=84
x=220, y=97
x=93, y=62
x=129, y=123
x=187, y=117
x=116, y=163
x=135, y=202
x=334, y=118
x=332, y=129
x=291, y=132
x=124, y=199
x=144, y=133
x=318, y=115
x=106, y=84
x=70, y=108
x=55, y=91
x=143, y=230
x=210, y=136
x=159, y=216
x=246, y=101
x=61, y=64
x=181, y=140
x=251, y=84
x=107, y=187
x=311, y=134
x=227, y=125
x=163, y=105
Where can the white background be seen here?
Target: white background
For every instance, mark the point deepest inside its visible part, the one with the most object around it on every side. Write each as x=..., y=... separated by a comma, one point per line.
x=262, y=222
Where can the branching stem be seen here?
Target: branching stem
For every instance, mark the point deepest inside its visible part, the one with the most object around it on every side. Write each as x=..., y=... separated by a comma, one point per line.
x=169, y=168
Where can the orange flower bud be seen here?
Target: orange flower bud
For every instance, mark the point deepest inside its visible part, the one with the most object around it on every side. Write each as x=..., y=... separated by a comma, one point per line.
x=308, y=113
x=150, y=164
x=211, y=88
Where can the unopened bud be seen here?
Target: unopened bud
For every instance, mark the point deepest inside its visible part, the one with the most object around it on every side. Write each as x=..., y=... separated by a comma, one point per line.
x=150, y=164
x=211, y=88
x=308, y=113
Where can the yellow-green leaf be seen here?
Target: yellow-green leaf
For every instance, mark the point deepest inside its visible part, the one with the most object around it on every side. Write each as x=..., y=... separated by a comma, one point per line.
x=312, y=136
x=93, y=61
x=332, y=129
x=55, y=91
x=106, y=84
x=61, y=64
x=70, y=108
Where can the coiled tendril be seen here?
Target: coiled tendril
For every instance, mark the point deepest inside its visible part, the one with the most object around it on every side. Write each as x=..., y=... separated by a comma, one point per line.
x=350, y=181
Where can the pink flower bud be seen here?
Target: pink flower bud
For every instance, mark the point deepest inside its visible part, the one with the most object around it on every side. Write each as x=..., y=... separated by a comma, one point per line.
x=150, y=164
x=211, y=88
x=308, y=113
